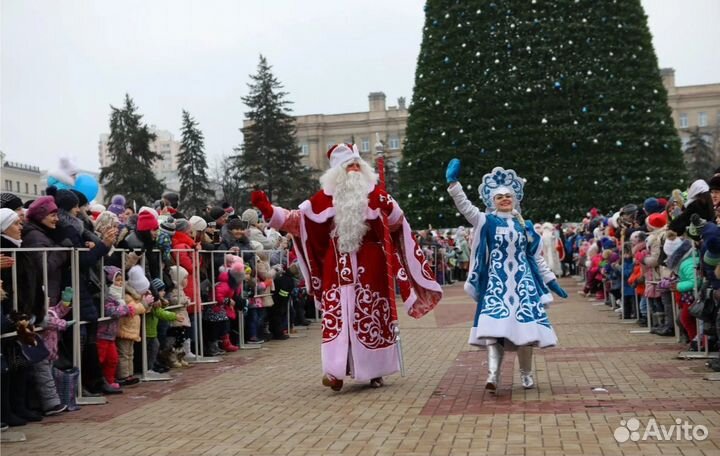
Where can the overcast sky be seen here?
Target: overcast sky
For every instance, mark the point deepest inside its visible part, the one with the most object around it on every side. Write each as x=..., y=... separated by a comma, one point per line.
x=64, y=62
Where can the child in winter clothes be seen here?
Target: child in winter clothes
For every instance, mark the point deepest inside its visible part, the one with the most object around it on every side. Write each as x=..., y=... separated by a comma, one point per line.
x=42, y=371
x=683, y=259
x=179, y=332
x=115, y=307
x=228, y=291
x=637, y=278
x=156, y=313
x=264, y=285
x=139, y=297
x=628, y=304
x=164, y=239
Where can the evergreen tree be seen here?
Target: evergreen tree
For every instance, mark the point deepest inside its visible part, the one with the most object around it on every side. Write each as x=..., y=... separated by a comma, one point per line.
x=192, y=167
x=566, y=92
x=270, y=157
x=701, y=158
x=130, y=172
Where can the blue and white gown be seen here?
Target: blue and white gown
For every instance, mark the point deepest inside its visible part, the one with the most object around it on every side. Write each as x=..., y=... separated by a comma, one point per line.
x=507, y=278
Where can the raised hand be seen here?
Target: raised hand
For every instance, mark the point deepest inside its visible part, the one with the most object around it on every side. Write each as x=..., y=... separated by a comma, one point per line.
x=452, y=173
x=259, y=199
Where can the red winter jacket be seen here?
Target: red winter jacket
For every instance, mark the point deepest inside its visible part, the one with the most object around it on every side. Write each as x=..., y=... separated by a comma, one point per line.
x=183, y=241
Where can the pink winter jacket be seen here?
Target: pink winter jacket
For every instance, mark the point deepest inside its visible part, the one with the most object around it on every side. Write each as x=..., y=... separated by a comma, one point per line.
x=54, y=324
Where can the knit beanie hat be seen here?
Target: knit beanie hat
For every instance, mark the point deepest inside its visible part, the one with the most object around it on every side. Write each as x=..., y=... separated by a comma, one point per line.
x=652, y=206
x=7, y=218
x=168, y=225
x=197, y=223
x=40, y=208
x=137, y=280
x=10, y=201
x=216, y=212
x=250, y=216
x=82, y=199
x=66, y=200
x=714, y=182
x=147, y=221
x=117, y=205
x=158, y=284
x=111, y=272
x=182, y=225
x=656, y=221
x=178, y=274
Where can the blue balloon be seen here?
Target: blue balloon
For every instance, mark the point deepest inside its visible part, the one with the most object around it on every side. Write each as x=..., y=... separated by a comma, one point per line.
x=87, y=185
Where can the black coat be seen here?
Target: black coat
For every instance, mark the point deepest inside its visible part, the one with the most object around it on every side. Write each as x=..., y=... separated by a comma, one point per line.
x=31, y=297
x=91, y=277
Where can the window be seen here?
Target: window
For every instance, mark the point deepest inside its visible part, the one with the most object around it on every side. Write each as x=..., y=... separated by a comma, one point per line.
x=304, y=150
x=34, y=189
x=365, y=145
x=8, y=184
x=18, y=186
x=702, y=119
x=27, y=188
x=394, y=143
x=683, y=120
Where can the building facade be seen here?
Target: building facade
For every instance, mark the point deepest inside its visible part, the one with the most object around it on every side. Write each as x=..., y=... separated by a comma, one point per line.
x=696, y=106
x=316, y=133
x=23, y=180
x=166, y=168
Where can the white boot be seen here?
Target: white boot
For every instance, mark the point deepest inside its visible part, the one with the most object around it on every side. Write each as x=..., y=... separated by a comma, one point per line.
x=495, y=357
x=188, y=353
x=525, y=360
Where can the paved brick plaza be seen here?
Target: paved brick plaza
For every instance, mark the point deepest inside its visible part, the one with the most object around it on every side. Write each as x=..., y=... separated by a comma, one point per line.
x=271, y=402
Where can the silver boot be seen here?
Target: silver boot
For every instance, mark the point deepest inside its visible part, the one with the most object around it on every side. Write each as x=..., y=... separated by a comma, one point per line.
x=495, y=357
x=524, y=355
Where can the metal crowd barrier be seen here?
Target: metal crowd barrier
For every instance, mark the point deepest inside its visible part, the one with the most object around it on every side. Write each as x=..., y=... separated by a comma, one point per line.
x=196, y=300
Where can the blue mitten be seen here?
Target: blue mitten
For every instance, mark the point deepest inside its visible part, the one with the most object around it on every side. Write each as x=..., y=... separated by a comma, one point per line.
x=555, y=287
x=452, y=173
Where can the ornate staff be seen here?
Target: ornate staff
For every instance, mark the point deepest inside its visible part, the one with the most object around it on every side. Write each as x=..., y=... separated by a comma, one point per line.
x=387, y=247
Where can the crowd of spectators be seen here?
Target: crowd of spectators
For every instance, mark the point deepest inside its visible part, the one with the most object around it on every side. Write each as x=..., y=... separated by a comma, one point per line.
x=69, y=268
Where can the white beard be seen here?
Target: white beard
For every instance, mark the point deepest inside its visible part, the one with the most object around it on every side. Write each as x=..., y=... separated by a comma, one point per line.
x=350, y=200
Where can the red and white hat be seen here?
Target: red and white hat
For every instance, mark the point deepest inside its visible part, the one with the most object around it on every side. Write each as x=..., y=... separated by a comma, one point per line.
x=342, y=153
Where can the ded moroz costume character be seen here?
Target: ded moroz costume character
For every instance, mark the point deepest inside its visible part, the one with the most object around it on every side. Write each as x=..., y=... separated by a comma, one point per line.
x=509, y=278
x=339, y=236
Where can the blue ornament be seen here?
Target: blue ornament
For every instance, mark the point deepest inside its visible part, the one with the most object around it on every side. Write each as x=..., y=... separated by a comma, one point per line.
x=557, y=85
x=446, y=60
x=574, y=145
x=584, y=109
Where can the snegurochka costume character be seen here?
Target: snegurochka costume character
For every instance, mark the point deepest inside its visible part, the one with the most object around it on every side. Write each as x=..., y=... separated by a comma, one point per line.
x=339, y=238
x=509, y=278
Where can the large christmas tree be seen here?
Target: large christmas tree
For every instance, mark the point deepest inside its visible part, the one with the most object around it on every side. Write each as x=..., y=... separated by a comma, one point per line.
x=566, y=92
